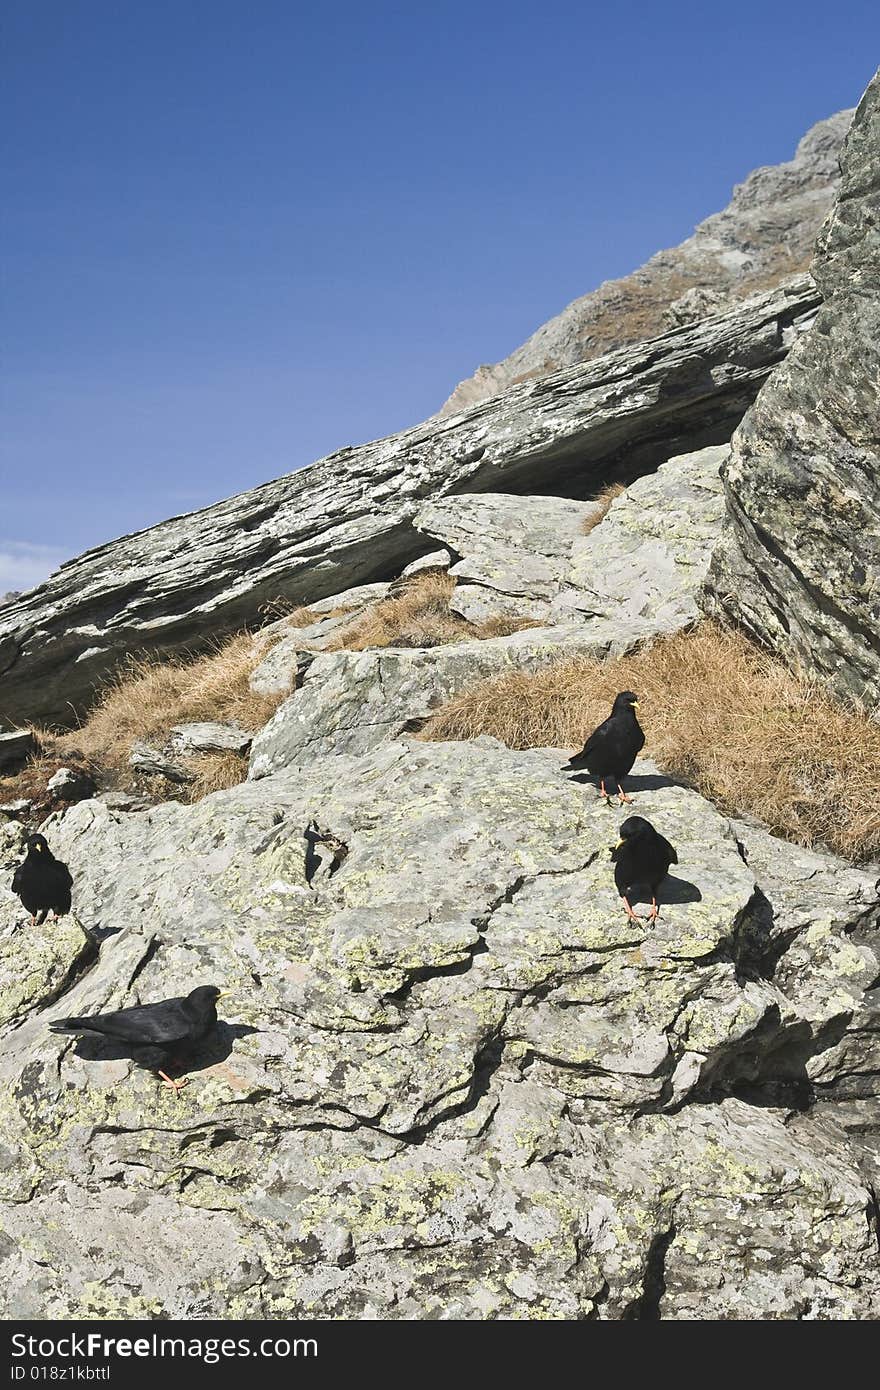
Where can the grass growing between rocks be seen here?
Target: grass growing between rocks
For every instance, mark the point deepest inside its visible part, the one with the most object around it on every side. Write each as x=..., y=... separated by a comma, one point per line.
x=149, y=696
x=603, y=502
x=419, y=615
x=747, y=732
x=146, y=698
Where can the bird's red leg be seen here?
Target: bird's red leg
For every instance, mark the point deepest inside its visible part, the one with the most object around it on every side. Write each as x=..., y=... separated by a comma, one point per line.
x=602, y=791
x=633, y=916
x=176, y=1086
x=622, y=796
x=655, y=911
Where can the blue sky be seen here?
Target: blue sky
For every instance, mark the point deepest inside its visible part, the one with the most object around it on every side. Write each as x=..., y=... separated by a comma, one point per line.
x=238, y=236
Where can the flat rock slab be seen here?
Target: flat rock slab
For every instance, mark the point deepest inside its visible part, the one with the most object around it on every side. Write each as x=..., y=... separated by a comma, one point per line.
x=349, y=702
x=209, y=736
x=348, y=519
x=452, y=1079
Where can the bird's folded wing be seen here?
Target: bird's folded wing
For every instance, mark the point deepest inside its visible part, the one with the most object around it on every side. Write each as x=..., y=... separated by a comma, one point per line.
x=150, y=1023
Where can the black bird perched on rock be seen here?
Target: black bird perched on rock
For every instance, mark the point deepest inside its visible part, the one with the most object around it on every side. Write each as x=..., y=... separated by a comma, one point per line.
x=611, y=750
x=42, y=882
x=642, y=857
x=171, y=1027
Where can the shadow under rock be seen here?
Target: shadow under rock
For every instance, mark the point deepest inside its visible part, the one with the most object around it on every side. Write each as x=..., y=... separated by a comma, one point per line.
x=207, y=1053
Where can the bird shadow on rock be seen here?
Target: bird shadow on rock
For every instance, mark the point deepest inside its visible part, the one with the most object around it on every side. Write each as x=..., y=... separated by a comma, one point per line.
x=216, y=1048
x=672, y=891
x=633, y=782
x=679, y=890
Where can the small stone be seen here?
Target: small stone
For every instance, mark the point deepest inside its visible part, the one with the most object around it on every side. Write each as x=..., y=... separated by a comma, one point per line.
x=152, y=763
x=71, y=784
x=16, y=747
x=209, y=736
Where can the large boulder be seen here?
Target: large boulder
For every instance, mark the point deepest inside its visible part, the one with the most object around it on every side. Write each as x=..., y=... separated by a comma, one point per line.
x=647, y=561
x=452, y=1080
x=348, y=519
x=800, y=565
x=514, y=551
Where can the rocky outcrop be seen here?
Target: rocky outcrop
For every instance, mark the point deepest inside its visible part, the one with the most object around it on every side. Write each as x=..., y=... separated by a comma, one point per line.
x=637, y=575
x=452, y=1080
x=514, y=550
x=647, y=561
x=764, y=234
x=349, y=519
x=800, y=567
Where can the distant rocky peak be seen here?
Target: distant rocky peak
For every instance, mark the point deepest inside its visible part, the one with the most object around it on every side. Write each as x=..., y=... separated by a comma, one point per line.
x=766, y=233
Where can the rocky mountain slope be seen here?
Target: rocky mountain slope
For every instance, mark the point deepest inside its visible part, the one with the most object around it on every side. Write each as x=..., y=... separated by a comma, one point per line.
x=764, y=234
x=348, y=519
x=453, y=1079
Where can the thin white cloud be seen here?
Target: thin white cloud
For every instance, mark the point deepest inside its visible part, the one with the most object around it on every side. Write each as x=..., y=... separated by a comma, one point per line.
x=23, y=565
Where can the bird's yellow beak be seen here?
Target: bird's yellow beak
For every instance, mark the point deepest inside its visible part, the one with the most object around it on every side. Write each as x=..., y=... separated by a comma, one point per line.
x=635, y=704
x=619, y=843
x=39, y=849
x=224, y=993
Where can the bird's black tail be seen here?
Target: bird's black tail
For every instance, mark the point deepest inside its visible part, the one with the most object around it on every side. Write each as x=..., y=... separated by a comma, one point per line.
x=575, y=764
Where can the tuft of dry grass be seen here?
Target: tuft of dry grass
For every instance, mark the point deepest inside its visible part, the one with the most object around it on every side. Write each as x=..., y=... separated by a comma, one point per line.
x=295, y=614
x=213, y=772
x=750, y=734
x=603, y=502
x=419, y=616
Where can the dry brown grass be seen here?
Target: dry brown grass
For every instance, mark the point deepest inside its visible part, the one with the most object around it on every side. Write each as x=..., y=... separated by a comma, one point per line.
x=213, y=772
x=751, y=735
x=149, y=696
x=419, y=616
x=295, y=614
x=146, y=698
x=603, y=502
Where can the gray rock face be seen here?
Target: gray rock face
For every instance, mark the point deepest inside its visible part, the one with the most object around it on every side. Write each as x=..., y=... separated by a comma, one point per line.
x=800, y=566
x=348, y=519
x=452, y=1080
x=764, y=234
x=514, y=550
x=649, y=558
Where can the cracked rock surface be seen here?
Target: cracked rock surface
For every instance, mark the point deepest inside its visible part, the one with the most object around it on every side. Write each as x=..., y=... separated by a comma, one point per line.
x=800, y=562
x=453, y=1080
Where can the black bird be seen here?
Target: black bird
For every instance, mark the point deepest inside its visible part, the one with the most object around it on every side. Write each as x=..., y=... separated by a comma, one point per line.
x=42, y=882
x=642, y=858
x=171, y=1027
x=611, y=750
